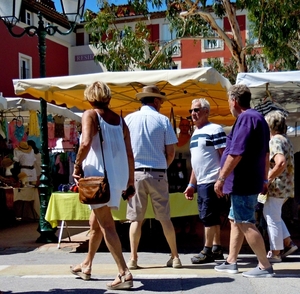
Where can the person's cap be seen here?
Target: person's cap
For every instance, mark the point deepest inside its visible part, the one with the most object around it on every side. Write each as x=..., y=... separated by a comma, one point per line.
x=23, y=146
x=6, y=162
x=151, y=91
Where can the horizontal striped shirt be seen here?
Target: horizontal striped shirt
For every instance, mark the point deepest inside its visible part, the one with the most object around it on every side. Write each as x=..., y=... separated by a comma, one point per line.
x=205, y=156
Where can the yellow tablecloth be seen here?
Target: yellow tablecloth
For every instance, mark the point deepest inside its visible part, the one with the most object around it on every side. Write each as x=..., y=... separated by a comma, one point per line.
x=66, y=206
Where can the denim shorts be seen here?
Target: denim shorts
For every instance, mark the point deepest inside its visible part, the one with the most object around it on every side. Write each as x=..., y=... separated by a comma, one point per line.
x=242, y=209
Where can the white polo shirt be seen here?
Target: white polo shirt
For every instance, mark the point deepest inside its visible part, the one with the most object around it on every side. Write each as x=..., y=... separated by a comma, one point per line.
x=150, y=132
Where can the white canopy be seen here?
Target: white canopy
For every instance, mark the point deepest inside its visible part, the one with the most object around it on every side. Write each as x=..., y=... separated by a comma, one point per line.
x=22, y=106
x=283, y=87
x=180, y=86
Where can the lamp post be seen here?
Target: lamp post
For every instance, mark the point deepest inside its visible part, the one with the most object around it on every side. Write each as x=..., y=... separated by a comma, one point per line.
x=9, y=13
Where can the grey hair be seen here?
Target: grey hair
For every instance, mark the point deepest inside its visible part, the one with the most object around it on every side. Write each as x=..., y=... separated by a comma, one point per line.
x=276, y=121
x=203, y=102
x=241, y=93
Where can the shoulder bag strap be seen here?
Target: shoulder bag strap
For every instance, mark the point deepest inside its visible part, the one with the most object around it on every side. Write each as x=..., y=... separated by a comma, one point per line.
x=101, y=140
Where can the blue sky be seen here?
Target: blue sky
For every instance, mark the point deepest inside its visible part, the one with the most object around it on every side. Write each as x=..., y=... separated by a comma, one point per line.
x=92, y=4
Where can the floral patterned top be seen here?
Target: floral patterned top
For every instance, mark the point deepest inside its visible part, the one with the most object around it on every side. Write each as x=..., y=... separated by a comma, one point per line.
x=283, y=185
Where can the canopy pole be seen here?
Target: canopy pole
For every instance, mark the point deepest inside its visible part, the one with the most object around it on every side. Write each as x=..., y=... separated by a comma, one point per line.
x=45, y=188
x=172, y=117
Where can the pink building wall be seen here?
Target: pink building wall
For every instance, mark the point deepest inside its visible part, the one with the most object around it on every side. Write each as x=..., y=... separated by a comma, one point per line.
x=57, y=62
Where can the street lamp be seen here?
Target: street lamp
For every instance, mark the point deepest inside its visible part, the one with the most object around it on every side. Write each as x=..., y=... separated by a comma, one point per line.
x=9, y=13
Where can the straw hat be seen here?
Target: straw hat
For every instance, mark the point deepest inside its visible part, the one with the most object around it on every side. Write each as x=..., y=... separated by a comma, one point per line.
x=151, y=91
x=6, y=162
x=22, y=175
x=24, y=147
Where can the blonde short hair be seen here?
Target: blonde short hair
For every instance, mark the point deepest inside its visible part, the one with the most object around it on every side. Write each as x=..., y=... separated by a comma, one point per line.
x=98, y=92
x=276, y=121
x=203, y=102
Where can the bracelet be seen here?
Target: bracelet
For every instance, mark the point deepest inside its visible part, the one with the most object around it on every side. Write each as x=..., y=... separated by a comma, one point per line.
x=192, y=185
x=78, y=165
x=221, y=179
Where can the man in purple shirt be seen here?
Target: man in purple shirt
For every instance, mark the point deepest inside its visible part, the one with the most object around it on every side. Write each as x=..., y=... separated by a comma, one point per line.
x=244, y=169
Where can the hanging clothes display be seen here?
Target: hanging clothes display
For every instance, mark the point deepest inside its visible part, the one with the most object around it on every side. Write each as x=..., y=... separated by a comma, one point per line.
x=73, y=132
x=59, y=121
x=33, y=125
x=19, y=126
x=51, y=134
x=4, y=128
x=71, y=136
x=24, y=154
x=16, y=132
x=267, y=105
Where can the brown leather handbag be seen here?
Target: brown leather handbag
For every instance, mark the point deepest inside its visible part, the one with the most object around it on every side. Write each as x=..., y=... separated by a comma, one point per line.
x=95, y=190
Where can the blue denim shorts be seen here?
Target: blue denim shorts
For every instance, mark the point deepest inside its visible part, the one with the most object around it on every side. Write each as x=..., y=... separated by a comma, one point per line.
x=242, y=209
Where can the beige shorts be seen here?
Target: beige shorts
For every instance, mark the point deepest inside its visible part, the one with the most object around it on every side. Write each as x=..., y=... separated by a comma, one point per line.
x=155, y=185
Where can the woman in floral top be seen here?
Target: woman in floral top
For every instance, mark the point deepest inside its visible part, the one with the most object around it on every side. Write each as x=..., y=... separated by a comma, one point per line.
x=280, y=187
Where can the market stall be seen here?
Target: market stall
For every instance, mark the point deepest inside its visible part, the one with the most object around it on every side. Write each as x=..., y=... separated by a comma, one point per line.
x=20, y=121
x=19, y=125
x=282, y=88
x=181, y=87
x=276, y=90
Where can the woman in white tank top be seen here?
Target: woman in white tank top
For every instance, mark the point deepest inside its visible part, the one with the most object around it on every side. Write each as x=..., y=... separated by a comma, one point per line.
x=119, y=163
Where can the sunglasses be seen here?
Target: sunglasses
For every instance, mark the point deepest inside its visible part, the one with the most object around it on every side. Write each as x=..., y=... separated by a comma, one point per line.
x=195, y=110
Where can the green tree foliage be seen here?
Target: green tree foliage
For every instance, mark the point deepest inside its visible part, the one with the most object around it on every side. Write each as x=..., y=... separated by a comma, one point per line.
x=255, y=61
x=228, y=70
x=198, y=19
x=276, y=25
x=124, y=48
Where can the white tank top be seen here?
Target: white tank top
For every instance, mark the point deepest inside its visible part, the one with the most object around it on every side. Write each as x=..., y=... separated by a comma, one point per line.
x=115, y=157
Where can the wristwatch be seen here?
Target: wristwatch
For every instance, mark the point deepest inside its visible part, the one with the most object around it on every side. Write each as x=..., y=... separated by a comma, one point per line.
x=221, y=179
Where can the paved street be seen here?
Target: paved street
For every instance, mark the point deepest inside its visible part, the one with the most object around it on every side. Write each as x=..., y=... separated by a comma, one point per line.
x=28, y=267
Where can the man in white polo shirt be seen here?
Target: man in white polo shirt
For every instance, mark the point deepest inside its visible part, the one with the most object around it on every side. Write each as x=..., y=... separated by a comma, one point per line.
x=153, y=143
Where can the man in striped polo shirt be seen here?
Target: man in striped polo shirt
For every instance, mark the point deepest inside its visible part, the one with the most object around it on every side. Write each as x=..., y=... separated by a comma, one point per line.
x=207, y=144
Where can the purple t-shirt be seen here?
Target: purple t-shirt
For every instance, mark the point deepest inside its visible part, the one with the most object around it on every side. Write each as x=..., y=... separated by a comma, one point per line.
x=248, y=138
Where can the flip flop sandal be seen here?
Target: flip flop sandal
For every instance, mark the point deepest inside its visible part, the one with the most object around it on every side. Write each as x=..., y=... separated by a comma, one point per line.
x=81, y=271
x=123, y=284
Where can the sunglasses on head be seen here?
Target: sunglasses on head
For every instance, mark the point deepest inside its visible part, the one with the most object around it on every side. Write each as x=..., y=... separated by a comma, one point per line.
x=195, y=110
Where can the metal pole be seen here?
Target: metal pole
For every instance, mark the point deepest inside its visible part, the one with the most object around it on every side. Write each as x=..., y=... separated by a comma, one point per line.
x=42, y=33
x=47, y=234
